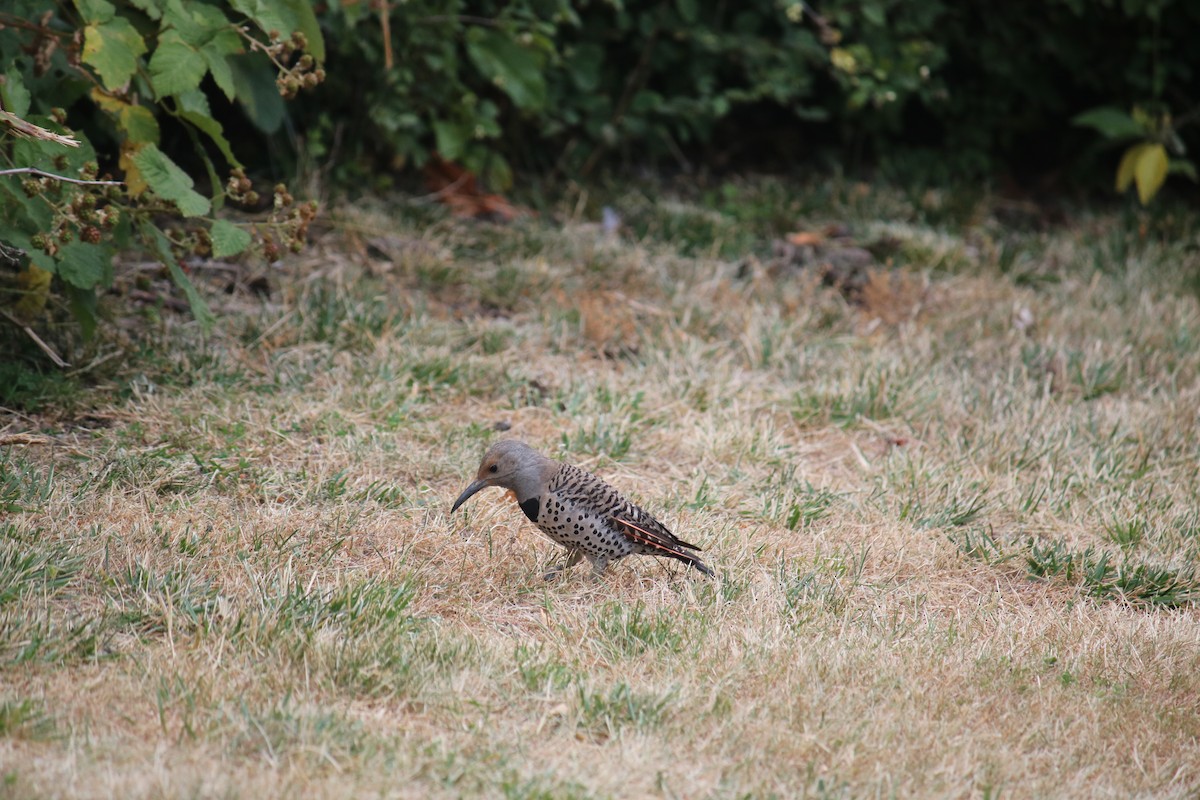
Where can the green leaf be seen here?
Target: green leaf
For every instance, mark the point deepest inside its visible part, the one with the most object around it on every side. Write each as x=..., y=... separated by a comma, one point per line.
x=139, y=124
x=112, y=49
x=1150, y=172
x=1111, y=123
x=218, y=65
x=169, y=182
x=194, y=108
x=1181, y=166
x=83, y=308
x=199, y=308
x=285, y=17
x=514, y=69
x=95, y=11
x=151, y=8
x=13, y=93
x=306, y=23
x=451, y=138
x=254, y=81
x=176, y=67
x=228, y=239
x=84, y=265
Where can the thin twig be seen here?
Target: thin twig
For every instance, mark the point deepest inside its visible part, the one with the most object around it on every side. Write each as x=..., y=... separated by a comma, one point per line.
x=47, y=349
x=44, y=174
x=385, y=29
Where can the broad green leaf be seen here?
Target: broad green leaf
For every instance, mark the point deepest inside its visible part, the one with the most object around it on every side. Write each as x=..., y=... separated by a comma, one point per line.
x=874, y=14
x=218, y=64
x=1181, y=166
x=176, y=67
x=451, y=138
x=1150, y=172
x=151, y=8
x=688, y=10
x=163, y=246
x=285, y=17
x=213, y=130
x=136, y=121
x=139, y=124
x=84, y=265
x=516, y=70
x=83, y=308
x=584, y=65
x=95, y=11
x=112, y=49
x=169, y=182
x=254, y=79
x=1112, y=123
x=306, y=23
x=228, y=239
x=13, y=93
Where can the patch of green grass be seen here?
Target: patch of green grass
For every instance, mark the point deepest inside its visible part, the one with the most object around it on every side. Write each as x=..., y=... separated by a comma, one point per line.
x=153, y=603
x=825, y=585
x=281, y=732
x=541, y=787
x=25, y=719
x=1095, y=572
x=358, y=636
x=797, y=507
x=630, y=631
x=612, y=423
x=604, y=714
x=30, y=567
x=956, y=506
x=541, y=673
x=875, y=394
x=24, y=486
x=978, y=544
x=35, y=385
x=1126, y=533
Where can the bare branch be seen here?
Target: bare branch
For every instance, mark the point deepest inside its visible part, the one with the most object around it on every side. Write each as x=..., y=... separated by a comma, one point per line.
x=44, y=174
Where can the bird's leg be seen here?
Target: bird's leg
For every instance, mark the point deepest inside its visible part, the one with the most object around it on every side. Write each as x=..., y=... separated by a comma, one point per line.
x=571, y=561
x=599, y=564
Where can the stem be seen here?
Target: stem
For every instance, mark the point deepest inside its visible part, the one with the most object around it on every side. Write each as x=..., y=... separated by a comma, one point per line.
x=65, y=179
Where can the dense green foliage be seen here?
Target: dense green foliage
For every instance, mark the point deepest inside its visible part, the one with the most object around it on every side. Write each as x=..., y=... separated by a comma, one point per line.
x=931, y=90
x=159, y=93
x=94, y=88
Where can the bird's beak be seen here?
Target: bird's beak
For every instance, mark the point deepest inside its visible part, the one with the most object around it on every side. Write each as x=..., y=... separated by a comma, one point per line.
x=466, y=495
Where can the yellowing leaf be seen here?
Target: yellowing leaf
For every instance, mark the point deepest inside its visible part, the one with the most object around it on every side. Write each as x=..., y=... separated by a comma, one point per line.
x=1151, y=171
x=112, y=49
x=134, y=181
x=1146, y=166
x=1128, y=164
x=136, y=121
x=34, y=284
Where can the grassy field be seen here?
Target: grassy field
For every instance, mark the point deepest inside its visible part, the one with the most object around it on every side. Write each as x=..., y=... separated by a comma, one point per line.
x=952, y=502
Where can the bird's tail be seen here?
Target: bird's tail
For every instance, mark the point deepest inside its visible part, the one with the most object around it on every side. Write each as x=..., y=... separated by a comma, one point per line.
x=669, y=546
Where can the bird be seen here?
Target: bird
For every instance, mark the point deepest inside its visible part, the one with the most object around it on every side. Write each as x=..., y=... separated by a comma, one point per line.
x=576, y=509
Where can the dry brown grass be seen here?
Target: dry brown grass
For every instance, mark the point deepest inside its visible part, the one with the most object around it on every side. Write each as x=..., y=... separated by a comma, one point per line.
x=242, y=580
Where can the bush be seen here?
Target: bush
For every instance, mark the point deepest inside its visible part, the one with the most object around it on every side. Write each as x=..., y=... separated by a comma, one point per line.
x=98, y=89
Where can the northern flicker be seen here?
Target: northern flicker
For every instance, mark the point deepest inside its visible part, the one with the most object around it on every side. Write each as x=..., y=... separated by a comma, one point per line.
x=576, y=509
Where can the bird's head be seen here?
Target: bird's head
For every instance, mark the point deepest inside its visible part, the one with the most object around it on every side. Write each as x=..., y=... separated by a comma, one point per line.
x=511, y=465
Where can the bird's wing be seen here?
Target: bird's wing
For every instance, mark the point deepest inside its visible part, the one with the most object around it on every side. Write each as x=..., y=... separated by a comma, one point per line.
x=646, y=530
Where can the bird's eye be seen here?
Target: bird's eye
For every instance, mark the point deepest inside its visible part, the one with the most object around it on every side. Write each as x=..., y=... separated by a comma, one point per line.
x=492, y=468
